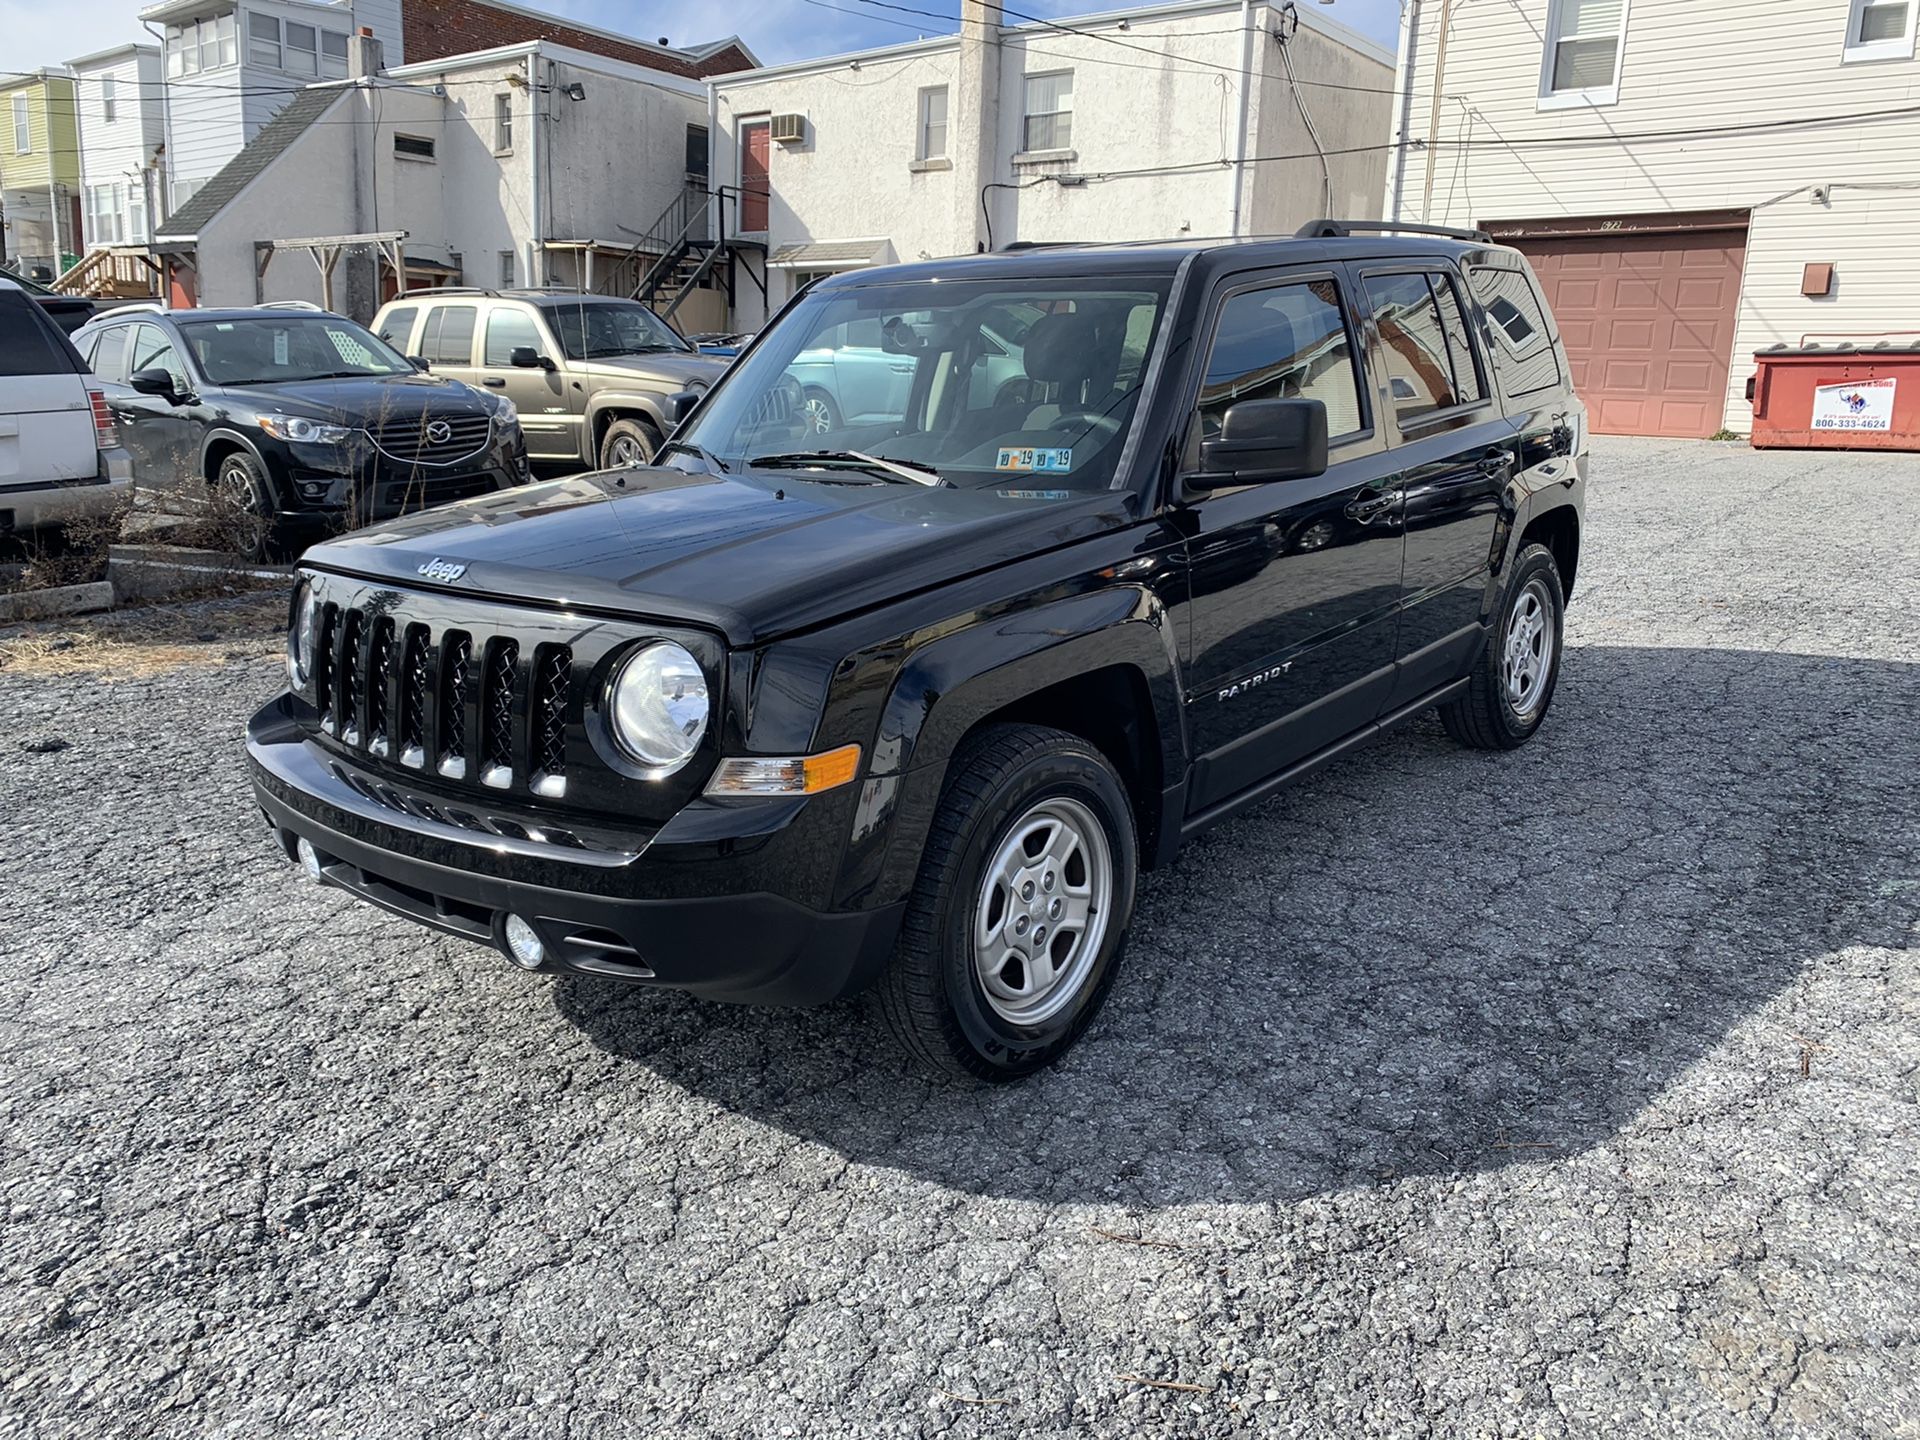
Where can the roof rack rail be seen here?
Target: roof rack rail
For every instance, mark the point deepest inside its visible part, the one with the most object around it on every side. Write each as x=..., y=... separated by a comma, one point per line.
x=413, y=290
x=157, y=307
x=292, y=305
x=1340, y=229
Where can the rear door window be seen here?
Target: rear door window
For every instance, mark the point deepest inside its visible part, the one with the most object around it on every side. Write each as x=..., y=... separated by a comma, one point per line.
x=449, y=335
x=109, y=358
x=1518, y=339
x=1430, y=362
x=1283, y=342
x=27, y=339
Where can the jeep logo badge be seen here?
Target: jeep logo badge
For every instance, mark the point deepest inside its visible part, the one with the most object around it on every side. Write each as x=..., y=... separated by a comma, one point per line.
x=439, y=432
x=442, y=570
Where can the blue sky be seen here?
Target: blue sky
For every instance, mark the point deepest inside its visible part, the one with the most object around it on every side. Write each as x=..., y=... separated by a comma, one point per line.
x=41, y=33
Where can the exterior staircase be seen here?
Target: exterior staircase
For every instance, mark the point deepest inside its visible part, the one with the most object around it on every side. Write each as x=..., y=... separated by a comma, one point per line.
x=679, y=251
x=112, y=272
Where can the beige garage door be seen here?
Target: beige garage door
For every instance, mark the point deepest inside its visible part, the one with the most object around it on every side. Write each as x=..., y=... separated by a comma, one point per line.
x=1648, y=319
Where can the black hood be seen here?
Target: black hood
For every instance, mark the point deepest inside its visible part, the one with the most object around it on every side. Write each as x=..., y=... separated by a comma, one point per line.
x=752, y=556
x=362, y=400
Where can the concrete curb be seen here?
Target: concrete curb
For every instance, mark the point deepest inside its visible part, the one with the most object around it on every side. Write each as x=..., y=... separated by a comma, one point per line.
x=61, y=600
x=159, y=572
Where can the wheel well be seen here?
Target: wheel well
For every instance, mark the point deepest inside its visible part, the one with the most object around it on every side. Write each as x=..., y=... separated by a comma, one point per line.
x=1559, y=531
x=1113, y=710
x=217, y=451
x=603, y=422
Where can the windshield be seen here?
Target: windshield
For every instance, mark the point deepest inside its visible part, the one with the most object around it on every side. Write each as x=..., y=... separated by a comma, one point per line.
x=608, y=330
x=271, y=350
x=984, y=381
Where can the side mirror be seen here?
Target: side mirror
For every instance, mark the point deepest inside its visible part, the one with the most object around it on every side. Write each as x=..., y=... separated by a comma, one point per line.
x=1264, y=440
x=680, y=405
x=153, y=382
x=525, y=357
x=419, y=362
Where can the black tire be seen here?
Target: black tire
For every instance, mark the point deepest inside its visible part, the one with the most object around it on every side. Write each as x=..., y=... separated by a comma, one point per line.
x=931, y=995
x=818, y=407
x=245, y=512
x=1485, y=717
x=621, y=435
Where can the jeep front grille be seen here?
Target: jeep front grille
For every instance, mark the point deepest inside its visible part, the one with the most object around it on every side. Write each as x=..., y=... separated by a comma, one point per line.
x=453, y=704
x=496, y=708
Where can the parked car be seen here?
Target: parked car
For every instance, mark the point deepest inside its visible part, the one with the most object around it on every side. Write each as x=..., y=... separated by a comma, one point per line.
x=777, y=721
x=722, y=342
x=296, y=415
x=848, y=376
x=594, y=375
x=69, y=312
x=60, y=456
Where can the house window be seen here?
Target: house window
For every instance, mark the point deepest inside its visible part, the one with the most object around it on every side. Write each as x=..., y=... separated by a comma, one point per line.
x=333, y=54
x=263, y=40
x=412, y=147
x=503, y=124
x=1049, y=113
x=108, y=96
x=22, y=131
x=933, y=123
x=506, y=270
x=137, y=212
x=1880, y=30
x=303, y=49
x=1585, y=39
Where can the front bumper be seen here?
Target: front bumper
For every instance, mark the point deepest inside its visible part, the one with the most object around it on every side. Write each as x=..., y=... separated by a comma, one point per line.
x=360, y=481
x=694, y=915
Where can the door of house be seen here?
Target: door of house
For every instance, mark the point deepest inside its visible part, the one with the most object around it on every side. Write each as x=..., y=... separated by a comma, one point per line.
x=755, y=148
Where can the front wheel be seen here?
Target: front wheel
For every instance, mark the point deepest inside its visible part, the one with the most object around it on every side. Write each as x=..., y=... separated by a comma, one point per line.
x=1015, y=929
x=244, y=513
x=1513, y=680
x=628, y=443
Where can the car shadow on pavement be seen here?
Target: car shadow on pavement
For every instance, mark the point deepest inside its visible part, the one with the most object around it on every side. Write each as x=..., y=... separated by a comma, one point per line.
x=1422, y=960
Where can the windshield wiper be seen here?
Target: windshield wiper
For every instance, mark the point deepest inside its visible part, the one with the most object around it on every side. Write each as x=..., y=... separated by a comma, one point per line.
x=907, y=470
x=699, y=452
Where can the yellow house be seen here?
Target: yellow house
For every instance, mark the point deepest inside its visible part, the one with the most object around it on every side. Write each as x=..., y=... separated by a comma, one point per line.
x=39, y=171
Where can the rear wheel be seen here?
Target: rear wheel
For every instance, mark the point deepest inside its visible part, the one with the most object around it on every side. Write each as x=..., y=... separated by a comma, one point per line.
x=628, y=443
x=1513, y=680
x=1015, y=929
x=819, y=413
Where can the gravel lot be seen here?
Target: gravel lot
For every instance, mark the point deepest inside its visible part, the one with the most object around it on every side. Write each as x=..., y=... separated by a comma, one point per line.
x=1565, y=1093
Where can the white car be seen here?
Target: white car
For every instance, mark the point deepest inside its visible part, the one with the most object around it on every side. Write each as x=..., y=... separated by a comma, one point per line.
x=60, y=453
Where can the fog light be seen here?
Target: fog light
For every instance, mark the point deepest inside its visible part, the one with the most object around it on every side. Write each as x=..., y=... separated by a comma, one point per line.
x=309, y=857
x=523, y=944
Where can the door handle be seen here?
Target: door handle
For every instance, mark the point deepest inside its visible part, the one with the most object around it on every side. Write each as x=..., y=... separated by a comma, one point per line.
x=1496, y=462
x=496, y=382
x=1366, y=509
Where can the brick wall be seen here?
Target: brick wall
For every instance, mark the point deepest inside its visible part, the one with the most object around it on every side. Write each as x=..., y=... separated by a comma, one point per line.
x=437, y=28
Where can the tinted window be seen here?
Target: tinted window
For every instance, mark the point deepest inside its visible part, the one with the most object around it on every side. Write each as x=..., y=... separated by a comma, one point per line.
x=1419, y=366
x=449, y=337
x=507, y=330
x=109, y=360
x=1522, y=350
x=288, y=347
x=152, y=349
x=602, y=331
x=27, y=343
x=397, y=328
x=1289, y=342
x=1466, y=368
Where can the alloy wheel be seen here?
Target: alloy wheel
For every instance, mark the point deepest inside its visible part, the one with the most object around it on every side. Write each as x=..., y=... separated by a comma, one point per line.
x=1042, y=910
x=1527, y=656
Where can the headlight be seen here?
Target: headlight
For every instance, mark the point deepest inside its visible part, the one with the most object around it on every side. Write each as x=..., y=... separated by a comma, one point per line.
x=302, y=431
x=658, y=707
x=300, y=637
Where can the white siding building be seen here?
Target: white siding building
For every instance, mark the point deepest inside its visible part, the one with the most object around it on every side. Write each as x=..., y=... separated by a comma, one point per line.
x=122, y=142
x=1160, y=121
x=1693, y=182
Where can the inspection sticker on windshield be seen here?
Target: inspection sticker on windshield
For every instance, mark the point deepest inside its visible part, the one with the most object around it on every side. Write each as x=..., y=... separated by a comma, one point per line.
x=1029, y=460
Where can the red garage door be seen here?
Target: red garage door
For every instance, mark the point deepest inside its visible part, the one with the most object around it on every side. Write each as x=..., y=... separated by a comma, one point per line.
x=1647, y=314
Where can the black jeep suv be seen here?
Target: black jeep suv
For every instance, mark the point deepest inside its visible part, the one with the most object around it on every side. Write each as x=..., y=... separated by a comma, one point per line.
x=296, y=414
x=909, y=703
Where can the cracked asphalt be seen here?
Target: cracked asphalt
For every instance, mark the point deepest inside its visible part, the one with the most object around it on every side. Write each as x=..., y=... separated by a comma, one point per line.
x=1570, y=1092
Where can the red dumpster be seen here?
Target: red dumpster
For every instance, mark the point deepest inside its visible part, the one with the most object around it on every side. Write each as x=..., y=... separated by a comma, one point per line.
x=1837, y=397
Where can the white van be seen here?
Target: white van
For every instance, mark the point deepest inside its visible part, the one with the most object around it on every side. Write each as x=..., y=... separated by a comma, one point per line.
x=60, y=453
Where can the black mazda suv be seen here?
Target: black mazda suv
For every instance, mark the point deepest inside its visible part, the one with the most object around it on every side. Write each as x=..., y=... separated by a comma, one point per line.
x=295, y=415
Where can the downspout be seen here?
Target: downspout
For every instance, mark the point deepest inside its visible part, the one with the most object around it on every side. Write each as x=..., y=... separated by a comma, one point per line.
x=536, y=241
x=1433, y=120
x=1240, y=132
x=157, y=217
x=714, y=217
x=1403, y=73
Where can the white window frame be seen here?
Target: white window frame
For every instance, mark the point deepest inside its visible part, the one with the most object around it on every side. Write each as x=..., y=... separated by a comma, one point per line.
x=1028, y=114
x=258, y=21
x=289, y=49
x=1609, y=94
x=1898, y=48
x=22, y=124
x=503, y=122
x=334, y=67
x=921, y=150
x=109, y=98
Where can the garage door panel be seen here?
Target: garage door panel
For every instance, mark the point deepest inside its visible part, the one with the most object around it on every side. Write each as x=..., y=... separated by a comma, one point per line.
x=1648, y=321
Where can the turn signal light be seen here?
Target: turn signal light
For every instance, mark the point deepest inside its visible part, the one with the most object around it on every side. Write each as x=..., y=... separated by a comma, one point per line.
x=785, y=775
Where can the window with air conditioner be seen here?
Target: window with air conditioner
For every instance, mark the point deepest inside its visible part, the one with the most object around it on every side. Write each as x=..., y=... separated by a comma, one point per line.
x=1048, y=121
x=1586, y=41
x=1880, y=30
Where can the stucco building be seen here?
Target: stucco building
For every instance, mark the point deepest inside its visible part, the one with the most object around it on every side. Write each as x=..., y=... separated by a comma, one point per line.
x=1691, y=185
x=1205, y=118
